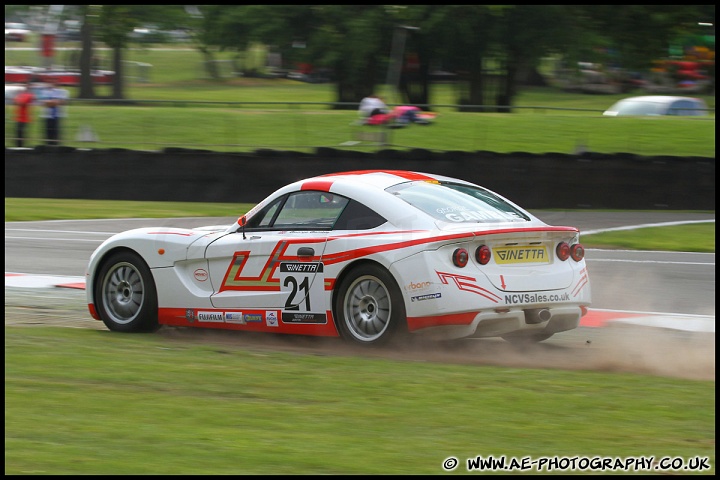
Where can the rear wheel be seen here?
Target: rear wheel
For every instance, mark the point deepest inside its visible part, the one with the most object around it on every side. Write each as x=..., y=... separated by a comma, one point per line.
x=125, y=294
x=369, y=308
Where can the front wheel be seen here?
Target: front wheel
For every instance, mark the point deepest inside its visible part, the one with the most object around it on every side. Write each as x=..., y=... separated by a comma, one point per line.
x=369, y=308
x=125, y=294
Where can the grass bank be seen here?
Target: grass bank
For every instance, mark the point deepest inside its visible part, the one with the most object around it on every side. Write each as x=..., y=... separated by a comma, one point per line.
x=81, y=402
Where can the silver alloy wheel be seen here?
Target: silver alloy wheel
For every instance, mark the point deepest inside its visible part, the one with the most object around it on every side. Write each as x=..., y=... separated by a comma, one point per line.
x=123, y=293
x=367, y=308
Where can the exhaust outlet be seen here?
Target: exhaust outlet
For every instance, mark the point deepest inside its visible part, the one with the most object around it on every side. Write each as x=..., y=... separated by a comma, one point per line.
x=537, y=315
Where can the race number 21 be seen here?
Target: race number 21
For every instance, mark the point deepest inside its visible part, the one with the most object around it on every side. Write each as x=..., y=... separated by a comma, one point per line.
x=303, y=283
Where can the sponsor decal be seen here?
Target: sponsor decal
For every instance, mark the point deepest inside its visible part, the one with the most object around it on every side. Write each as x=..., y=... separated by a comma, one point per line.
x=252, y=317
x=200, y=274
x=518, y=254
x=297, y=267
x=429, y=296
x=210, y=317
x=271, y=319
x=459, y=213
x=190, y=315
x=297, y=317
x=234, y=317
x=413, y=286
x=536, y=298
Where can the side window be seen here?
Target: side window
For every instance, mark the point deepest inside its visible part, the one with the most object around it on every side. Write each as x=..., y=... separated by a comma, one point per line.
x=357, y=216
x=264, y=218
x=677, y=108
x=309, y=210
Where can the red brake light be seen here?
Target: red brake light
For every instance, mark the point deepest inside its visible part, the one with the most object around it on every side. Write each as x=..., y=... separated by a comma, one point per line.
x=460, y=257
x=563, y=251
x=483, y=254
x=577, y=252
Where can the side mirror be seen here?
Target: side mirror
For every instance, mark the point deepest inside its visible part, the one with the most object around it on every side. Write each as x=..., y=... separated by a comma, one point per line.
x=242, y=221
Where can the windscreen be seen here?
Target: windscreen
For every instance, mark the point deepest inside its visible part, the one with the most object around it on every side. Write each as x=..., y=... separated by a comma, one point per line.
x=458, y=203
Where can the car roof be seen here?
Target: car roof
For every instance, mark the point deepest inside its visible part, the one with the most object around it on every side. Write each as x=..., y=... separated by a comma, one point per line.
x=659, y=99
x=381, y=179
x=369, y=188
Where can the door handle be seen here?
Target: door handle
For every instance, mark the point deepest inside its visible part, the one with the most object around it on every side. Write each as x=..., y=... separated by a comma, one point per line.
x=306, y=252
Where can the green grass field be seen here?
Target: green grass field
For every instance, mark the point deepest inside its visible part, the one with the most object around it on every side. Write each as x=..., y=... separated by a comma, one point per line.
x=181, y=108
x=83, y=402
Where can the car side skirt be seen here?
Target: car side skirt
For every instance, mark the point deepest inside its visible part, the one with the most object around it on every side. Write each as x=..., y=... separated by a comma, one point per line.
x=250, y=320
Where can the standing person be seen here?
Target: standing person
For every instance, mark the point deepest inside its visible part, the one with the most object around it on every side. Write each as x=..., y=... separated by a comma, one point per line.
x=23, y=101
x=54, y=100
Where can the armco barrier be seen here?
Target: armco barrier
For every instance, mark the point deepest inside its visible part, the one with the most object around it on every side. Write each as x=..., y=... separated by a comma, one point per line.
x=547, y=181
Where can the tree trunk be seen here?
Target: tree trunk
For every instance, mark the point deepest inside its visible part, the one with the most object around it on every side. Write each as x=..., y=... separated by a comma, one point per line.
x=415, y=80
x=352, y=88
x=209, y=63
x=117, y=90
x=87, y=88
x=507, y=88
x=472, y=99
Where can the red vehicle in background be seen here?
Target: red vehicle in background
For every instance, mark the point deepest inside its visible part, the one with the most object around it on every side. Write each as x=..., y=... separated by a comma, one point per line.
x=64, y=77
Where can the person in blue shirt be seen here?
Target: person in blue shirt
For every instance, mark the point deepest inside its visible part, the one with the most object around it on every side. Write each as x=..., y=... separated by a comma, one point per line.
x=54, y=100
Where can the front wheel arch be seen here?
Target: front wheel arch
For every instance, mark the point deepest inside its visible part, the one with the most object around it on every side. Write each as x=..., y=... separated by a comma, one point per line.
x=124, y=293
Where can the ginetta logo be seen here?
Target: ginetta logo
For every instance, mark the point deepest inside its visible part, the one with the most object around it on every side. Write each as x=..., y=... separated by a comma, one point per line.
x=200, y=274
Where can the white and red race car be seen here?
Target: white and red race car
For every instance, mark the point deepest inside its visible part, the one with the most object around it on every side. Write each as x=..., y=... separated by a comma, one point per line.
x=364, y=255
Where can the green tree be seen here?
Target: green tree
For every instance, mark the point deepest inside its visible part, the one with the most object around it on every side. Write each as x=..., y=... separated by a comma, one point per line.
x=115, y=23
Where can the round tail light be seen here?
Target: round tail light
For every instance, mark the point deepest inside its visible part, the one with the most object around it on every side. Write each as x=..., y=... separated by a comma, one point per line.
x=483, y=254
x=563, y=251
x=577, y=252
x=460, y=257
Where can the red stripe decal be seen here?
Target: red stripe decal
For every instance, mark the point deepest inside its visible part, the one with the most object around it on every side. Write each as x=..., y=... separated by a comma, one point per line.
x=399, y=173
x=417, y=323
x=322, y=185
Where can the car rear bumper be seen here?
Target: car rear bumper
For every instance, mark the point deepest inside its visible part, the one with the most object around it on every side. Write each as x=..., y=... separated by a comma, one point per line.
x=492, y=323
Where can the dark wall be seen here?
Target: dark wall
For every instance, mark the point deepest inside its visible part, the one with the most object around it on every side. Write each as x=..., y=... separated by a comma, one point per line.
x=619, y=181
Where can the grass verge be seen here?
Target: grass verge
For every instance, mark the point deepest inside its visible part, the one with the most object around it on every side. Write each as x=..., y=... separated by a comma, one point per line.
x=92, y=402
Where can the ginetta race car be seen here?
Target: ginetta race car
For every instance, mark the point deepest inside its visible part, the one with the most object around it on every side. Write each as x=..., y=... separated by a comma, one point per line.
x=364, y=255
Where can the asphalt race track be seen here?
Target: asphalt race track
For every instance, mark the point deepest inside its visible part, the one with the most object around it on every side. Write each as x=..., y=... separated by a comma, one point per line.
x=652, y=312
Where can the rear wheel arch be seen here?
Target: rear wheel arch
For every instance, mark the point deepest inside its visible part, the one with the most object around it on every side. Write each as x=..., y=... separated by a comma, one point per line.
x=380, y=277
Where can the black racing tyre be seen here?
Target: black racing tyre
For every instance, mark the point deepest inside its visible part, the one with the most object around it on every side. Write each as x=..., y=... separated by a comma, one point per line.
x=526, y=338
x=369, y=308
x=125, y=294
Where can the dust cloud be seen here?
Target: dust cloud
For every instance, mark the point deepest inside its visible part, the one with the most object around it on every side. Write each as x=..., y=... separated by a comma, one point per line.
x=616, y=348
